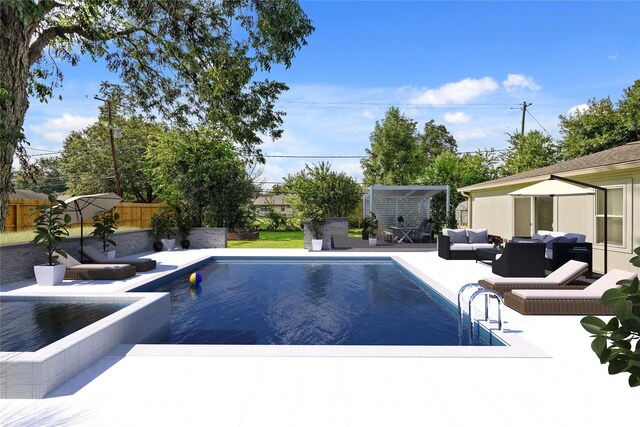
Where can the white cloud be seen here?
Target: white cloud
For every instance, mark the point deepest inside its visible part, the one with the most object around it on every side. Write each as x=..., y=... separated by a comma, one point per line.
x=367, y=114
x=460, y=92
x=613, y=57
x=58, y=128
x=466, y=135
x=578, y=109
x=457, y=117
x=520, y=81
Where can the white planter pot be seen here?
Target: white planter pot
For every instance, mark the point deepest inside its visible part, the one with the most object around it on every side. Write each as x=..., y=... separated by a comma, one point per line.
x=110, y=254
x=49, y=275
x=316, y=244
x=373, y=241
x=169, y=244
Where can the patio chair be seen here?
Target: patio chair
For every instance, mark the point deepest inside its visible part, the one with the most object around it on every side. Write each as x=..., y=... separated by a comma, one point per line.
x=567, y=302
x=141, y=264
x=77, y=271
x=559, y=279
x=425, y=232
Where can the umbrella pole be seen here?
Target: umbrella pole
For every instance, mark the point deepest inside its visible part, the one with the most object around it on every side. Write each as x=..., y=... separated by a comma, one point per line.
x=81, y=238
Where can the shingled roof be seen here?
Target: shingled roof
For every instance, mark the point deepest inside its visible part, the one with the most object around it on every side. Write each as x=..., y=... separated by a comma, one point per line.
x=628, y=154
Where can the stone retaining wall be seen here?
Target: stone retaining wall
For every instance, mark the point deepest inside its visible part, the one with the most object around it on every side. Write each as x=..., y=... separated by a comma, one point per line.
x=17, y=260
x=338, y=227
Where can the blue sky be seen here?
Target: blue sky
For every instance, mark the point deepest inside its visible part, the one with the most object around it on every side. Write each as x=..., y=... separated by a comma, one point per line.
x=467, y=65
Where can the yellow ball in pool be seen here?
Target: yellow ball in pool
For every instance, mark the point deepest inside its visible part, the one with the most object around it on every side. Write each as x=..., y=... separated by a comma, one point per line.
x=195, y=279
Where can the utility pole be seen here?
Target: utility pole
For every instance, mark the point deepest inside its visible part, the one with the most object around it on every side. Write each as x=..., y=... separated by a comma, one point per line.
x=116, y=172
x=524, y=111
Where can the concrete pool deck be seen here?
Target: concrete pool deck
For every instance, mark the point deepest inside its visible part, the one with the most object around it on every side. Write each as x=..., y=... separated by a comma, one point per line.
x=144, y=385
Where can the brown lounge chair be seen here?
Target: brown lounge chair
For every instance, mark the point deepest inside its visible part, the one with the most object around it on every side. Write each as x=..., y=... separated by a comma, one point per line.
x=141, y=264
x=567, y=302
x=559, y=279
x=77, y=271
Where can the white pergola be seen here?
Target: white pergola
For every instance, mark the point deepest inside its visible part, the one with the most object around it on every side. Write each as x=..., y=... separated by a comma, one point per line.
x=412, y=202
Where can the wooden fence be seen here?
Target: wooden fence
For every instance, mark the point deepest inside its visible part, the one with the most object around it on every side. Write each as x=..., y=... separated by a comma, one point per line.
x=20, y=215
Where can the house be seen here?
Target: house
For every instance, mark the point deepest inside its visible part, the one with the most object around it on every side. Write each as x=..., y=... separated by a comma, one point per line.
x=618, y=169
x=277, y=202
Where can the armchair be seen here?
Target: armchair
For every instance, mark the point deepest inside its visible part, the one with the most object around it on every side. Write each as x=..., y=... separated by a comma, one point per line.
x=520, y=260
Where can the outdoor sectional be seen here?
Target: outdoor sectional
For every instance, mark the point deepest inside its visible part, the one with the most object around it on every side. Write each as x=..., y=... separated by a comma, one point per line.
x=559, y=246
x=462, y=243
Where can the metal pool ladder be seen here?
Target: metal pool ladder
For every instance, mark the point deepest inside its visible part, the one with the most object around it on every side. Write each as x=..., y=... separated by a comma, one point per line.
x=481, y=290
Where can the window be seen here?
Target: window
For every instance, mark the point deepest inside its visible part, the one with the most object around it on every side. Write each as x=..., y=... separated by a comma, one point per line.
x=283, y=209
x=615, y=216
x=264, y=208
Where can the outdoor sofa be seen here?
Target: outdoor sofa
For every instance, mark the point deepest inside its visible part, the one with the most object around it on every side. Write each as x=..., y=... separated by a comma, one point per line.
x=462, y=243
x=561, y=278
x=559, y=246
x=141, y=264
x=567, y=302
x=77, y=271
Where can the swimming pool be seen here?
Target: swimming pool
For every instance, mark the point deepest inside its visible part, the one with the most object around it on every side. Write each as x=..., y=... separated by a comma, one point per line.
x=29, y=325
x=310, y=302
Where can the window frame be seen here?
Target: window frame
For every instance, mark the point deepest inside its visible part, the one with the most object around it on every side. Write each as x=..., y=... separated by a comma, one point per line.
x=623, y=216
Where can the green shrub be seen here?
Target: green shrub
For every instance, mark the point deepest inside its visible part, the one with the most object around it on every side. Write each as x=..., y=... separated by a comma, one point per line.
x=617, y=342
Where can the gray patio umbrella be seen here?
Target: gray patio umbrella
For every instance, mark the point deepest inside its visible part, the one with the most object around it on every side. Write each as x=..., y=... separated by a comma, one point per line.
x=560, y=186
x=88, y=206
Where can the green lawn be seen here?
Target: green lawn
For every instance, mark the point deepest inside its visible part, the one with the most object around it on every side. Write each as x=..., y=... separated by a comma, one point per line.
x=272, y=239
x=27, y=236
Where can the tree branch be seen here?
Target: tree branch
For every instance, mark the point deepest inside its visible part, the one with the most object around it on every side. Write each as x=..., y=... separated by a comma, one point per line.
x=43, y=40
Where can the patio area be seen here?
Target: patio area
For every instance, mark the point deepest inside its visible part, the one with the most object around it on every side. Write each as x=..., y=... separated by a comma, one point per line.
x=197, y=385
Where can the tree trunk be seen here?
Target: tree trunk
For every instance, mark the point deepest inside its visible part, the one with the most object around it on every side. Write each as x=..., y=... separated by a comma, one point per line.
x=14, y=71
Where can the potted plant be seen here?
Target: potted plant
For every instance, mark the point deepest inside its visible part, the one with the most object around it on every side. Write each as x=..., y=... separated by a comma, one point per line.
x=51, y=229
x=315, y=227
x=161, y=229
x=105, y=224
x=372, y=228
x=365, y=228
x=185, y=225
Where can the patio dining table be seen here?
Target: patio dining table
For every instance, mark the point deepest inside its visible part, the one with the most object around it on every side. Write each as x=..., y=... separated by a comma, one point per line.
x=405, y=231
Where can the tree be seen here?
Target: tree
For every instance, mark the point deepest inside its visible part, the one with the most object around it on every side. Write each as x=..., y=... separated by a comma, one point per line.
x=185, y=59
x=435, y=139
x=49, y=178
x=201, y=172
x=456, y=171
x=318, y=191
x=532, y=150
x=601, y=125
x=87, y=162
x=394, y=156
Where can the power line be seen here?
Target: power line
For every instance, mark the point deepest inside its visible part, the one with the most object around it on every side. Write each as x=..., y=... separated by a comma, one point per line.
x=539, y=124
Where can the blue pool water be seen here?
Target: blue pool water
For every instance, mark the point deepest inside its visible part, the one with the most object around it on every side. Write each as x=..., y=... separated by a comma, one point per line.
x=29, y=325
x=309, y=302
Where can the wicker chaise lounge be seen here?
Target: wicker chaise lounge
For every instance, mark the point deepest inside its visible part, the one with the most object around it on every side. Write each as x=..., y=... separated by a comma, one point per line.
x=567, y=302
x=141, y=264
x=77, y=271
x=562, y=278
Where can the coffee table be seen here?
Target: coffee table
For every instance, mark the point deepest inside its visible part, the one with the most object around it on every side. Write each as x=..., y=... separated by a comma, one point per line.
x=486, y=256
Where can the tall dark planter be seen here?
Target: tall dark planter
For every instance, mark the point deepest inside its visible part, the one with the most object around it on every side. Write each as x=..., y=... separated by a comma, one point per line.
x=157, y=246
x=185, y=243
x=365, y=234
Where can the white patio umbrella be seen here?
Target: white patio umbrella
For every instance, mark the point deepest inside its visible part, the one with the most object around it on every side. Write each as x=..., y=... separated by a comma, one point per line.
x=559, y=186
x=88, y=206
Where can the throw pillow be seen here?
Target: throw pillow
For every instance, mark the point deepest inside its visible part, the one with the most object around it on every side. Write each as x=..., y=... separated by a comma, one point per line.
x=551, y=241
x=477, y=236
x=567, y=240
x=539, y=236
x=458, y=236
